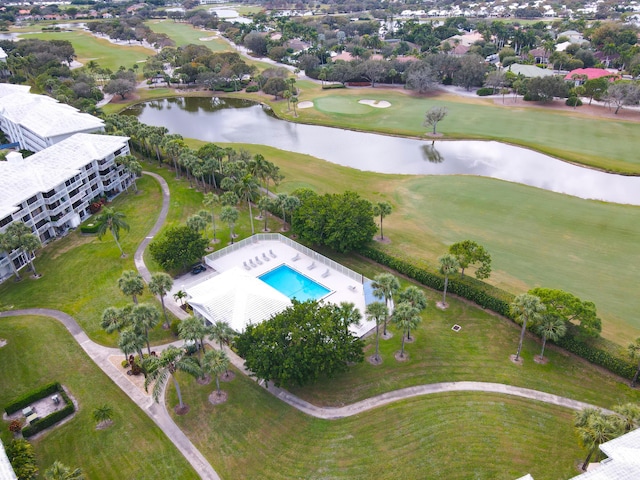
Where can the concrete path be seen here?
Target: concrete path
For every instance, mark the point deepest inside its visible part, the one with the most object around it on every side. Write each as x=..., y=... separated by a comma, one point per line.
x=157, y=412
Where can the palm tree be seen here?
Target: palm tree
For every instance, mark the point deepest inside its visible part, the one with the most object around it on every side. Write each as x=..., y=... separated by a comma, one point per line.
x=416, y=298
x=230, y=216
x=130, y=342
x=377, y=311
x=160, y=285
x=113, y=221
x=180, y=295
x=551, y=328
x=196, y=222
x=114, y=318
x=634, y=352
x=215, y=362
x=59, y=471
x=132, y=167
x=210, y=201
x=103, y=414
x=247, y=189
x=405, y=317
x=385, y=286
x=264, y=204
x=159, y=369
x=349, y=314
x=7, y=245
x=383, y=209
x=594, y=428
x=29, y=243
x=145, y=317
x=193, y=329
x=448, y=265
x=131, y=283
x=629, y=414
x=525, y=308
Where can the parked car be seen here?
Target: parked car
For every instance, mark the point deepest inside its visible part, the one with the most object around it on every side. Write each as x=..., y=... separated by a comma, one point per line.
x=198, y=268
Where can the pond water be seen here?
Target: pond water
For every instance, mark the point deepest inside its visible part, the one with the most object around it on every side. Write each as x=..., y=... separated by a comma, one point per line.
x=240, y=121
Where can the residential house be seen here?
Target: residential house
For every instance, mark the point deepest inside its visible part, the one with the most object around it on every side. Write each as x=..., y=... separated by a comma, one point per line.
x=529, y=71
x=581, y=75
x=51, y=191
x=540, y=55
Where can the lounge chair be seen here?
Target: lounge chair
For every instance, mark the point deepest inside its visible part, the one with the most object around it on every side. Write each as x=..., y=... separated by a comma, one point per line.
x=326, y=273
x=258, y=261
x=246, y=267
x=296, y=258
x=273, y=255
x=312, y=266
x=353, y=288
x=253, y=265
x=264, y=257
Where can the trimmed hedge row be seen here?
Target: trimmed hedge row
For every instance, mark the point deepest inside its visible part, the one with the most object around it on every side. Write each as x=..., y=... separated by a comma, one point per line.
x=50, y=419
x=89, y=228
x=30, y=397
x=498, y=301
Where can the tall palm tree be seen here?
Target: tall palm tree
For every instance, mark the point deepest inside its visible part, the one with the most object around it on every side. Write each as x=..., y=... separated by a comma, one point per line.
x=448, y=266
x=132, y=167
x=193, y=329
x=159, y=369
x=7, y=245
x=382, y=209
x=196, y=222
x=145, y=317
x=264, y=204
x=247, y=189
x=222, y=333
x=210, y=201
x=594, y=428
x=130, y=342
x=634, y=352
x=230, y=216
x=114, y=318
x=406, y=317
x=551, y=328
x=349, y=314
x=526, y=308
x=259, y=168
x=113, y=221
x=160, y=285
x=29, y=243
x=385, y=286
x=629, y=414
x=416, y=298
x=377, y=311
x=215, y=362
x=131, y=283
x=59, y=471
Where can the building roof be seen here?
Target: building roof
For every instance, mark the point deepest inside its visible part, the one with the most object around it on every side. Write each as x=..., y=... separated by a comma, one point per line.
x=36, y=112
x=42, y=171
x=236, y=297
x=623, y=462
x=591, y=73
x=10, y=89
x=3, y=55
x=529, y=70
x=6, y=470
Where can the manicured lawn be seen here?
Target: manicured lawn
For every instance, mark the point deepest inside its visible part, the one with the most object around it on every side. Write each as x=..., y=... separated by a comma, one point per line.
x=80, y=273
x=185, y=34
x=89, y=47
x=40, y=351
x=452, y=436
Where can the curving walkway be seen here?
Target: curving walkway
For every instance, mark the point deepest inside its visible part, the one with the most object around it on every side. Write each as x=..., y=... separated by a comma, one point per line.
x=159, y=414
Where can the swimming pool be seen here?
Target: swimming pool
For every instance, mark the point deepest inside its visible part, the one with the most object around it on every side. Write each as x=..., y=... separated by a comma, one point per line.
x=293, y=284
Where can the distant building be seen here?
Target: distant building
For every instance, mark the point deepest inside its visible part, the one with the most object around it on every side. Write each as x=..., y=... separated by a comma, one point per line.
x=529, y=71
x=51, y=190
x=37, y=121
x=581, y=75
x=572, y=35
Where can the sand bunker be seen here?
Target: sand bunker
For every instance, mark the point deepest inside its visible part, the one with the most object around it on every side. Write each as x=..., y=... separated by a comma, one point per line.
x=208, y=39
x=305, y=104
x=375, y=103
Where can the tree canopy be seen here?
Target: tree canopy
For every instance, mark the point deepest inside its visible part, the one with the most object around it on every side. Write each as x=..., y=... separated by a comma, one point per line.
x=468, y=253
x=178, y=248
x=343, y=222
x=299, y=345
x=571, y=309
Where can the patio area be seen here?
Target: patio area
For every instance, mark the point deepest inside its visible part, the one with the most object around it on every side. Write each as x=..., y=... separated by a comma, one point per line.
x=232, y=292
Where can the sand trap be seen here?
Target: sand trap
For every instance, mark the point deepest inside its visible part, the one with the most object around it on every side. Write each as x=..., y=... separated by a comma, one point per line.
x=305, y=104
x=208, y=39
x=375, y=103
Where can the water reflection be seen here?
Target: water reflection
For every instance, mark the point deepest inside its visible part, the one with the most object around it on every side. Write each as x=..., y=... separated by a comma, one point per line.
x=240, y=121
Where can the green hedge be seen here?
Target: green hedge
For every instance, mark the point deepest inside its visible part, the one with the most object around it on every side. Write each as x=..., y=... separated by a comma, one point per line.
x=483, y=92
x=50, y=419
x=498, y=301
x=331, y=86
x=89, y=228
x=28, y=398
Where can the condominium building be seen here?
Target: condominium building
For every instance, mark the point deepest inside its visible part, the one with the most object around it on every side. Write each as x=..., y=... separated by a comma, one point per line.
x=51, y=190
x=37, y=121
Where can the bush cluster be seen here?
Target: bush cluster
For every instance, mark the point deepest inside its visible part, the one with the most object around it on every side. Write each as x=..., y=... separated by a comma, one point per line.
x=499, y=301
x=483, y=92
x=331, y=86
x=573, y=102
x=30, y=397
x=252, y=89
x=89, y=228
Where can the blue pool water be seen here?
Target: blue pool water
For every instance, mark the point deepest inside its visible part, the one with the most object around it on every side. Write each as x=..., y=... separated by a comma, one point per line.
x=293, y=284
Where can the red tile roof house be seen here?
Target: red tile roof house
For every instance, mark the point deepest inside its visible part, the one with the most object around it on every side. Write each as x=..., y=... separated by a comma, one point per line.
x=581, y=75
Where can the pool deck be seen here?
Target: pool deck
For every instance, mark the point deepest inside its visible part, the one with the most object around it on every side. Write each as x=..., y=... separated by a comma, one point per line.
x=343, y=288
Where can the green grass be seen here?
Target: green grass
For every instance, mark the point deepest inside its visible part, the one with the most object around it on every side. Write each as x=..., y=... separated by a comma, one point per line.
x=39, y=351
x=80, y=273
x=452, y=436
x=184, y=34
x=89, y=47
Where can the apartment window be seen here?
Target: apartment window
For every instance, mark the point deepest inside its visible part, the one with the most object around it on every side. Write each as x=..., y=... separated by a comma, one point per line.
x=49, y=194
x=41, y=223
x=32, y=200
x=5, y=221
